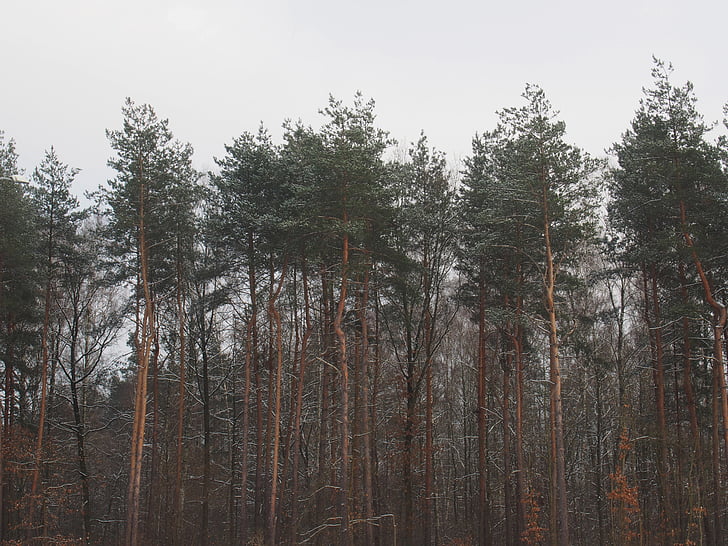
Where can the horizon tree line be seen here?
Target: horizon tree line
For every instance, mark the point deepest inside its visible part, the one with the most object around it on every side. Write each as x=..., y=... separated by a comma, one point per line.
x=330, y=343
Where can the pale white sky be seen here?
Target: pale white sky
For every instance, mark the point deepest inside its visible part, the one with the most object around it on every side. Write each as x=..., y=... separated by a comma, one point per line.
x=220, y=67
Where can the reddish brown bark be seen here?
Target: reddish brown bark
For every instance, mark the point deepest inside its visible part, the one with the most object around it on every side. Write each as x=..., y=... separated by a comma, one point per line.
x=144, y=338
x=153, y=518
x=696, y=499
x=277, y=411
x=250, y=363
x=560, y=506
x=346, y=534
x=653, y=320
x=720, y=397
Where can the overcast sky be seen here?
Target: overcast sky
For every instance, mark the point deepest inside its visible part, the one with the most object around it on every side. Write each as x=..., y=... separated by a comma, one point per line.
x=220, y=67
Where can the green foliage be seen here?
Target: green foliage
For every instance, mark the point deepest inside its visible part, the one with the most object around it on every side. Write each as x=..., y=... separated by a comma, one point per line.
x=664, y=160
x=421, y=241
x=520, y=176
x=155, y=190
x=19, y=286
x=18, y=242
x=417, y=258
x=8, y=157
x=352, y=192
x=251, y=195
x=18, y=253
x=58, y=216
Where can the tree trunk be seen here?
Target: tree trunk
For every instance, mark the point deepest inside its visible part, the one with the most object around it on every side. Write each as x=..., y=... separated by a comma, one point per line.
x=409, y=435
x=144, y=338
x=207, y=433
x=346, y=535
x=43, y=386
x=153, y=504
x=720, y=397
x=277, y=411
x=326, y=336
x=178, y=489
x=483, y=501
x=507, y=456
x=250, y=360
x=521, y=492
x=430, y=302
x=560, y=506
x=79, y=431
x=366, y=435
x=667, y=507
x=696, y=464
x=296, y=448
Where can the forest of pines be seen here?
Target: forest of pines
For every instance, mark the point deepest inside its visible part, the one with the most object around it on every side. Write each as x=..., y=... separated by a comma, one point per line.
x=334, y=341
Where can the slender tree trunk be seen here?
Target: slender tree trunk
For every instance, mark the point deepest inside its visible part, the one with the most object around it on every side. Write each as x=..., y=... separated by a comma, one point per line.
x=43, y=383
x=409, y=436
x=408, y=372
x=206, y=432
x=143, y=343
x=326, y=329
x=721, y=317
x=7, y=436
x=77, y=403
x=299, y=403
x=598, y=471
x=429, y=519
x=365, y=431
x=140, y=408
x=720, y=397
x=373, y=409
x=250, y=359
x=650, y=290
x=153, y=511
x=560, y=505
x=182, y=334
x=244, y=523
x=696, y=464
x=286, y=504
x=79, y=431
x=256, y=365
x=520, y=462
x=667, y=508
x=507, y=455
x=270, y=404
x=277, y=411
x=430, y=303
x=483, y=501
x=346, y=534
x=232, y=438
x=429, y=460
x=715, y=460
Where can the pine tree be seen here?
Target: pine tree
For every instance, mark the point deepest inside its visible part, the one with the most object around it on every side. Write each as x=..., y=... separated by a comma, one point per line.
x=541, y=191
x=250, y=220
x=668, y=192
x=19, y=314
x=416, y=264
x=58, y=222
x=352, y=206
x=148, y=163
